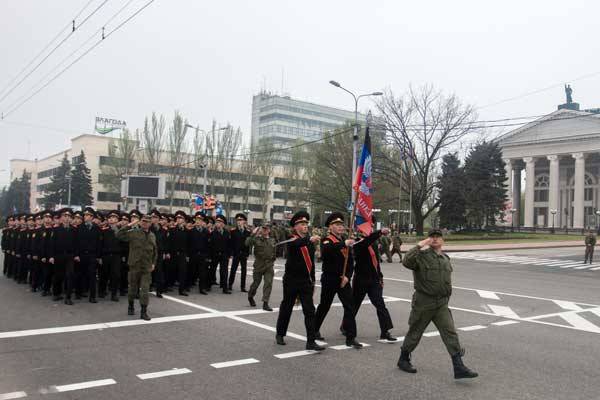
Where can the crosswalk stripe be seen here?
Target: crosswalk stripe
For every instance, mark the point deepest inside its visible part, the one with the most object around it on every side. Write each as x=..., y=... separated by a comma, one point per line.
x=295, y=354
x=571, y=265
x=579, y=322
x=488, y=295
x=567, y=305
x=595, y=269
x=344, y=347
x=503, y=311
x=588, y=266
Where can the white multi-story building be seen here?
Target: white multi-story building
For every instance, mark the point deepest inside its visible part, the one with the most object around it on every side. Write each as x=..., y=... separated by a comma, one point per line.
x=283, y=120
x=106, y=194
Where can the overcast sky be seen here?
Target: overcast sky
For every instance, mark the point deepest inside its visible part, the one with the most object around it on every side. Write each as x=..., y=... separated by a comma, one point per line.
x=207, y=59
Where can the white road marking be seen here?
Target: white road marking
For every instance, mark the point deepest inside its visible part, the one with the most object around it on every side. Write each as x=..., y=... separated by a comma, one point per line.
x=12, y=395
x=503, y=311
x=507, y=322
x=595, y=269
x=488, y=295
x=587, y=266
x=472, y=328
x=567, y=305
x=295, y=354
x=234, y=363
x=84, y=385
x=580, y=323
x=160, y=374
x=431, y=334
x=344, y=347
x=571, y=265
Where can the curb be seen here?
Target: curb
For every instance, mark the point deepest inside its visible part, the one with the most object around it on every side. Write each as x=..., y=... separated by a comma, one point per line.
x=454, y=250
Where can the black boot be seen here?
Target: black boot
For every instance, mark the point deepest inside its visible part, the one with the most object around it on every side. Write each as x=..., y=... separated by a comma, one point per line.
x=266, y=306
x=144, y=315
x=93, y=300
x=251, y=301
x=114, y=297
x=461, y=370
x=404, y=362
x=320, y=337
x=386, y=336
x=68, y=301
x=130, y=309
x=159, y=295
x=353, y=343
x=312, y=345
x=279, y=340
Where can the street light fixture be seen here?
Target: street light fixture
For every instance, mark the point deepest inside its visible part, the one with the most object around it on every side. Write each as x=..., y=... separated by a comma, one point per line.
x=204, y=165
x=512, y=219
x=553, y=212
x=597, y=226
x=355, y=136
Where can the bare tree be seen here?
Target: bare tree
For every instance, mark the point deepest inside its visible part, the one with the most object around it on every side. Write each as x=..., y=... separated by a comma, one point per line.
x=176, y=149
x=121, y=161
x=153, y=143
x=421, y=126
x=264, y=159
x=247, y=168
x=229, y=141
x=294, y=174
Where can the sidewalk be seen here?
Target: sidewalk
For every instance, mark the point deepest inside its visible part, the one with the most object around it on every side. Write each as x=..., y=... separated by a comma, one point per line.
x=510, y=246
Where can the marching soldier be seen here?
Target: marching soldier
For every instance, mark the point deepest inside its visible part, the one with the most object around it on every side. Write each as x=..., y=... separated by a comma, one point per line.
x=88, y=253
x=110, y=269
x=432, y=281
x=141, y=261
x=264, y=259
x=37, y=248
x=199, y=251
x=239, y=250
x=590, y=243
x=62, y=253
x=299, y=281
x=125, y=219
x=220, y=251
x=396, y=245
x=6, y=237
x=161, y=233
x=179, y=245
x=368, y=280
x=47, y=242
x=385, y=242
x=334, y=280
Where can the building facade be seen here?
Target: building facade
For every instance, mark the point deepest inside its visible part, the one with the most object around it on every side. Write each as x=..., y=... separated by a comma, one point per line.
x=242, y=189
x=283, y=120
x=554, y=162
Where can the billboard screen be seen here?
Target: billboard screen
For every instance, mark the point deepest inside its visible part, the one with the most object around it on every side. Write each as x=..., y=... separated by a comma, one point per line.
x=145, y=187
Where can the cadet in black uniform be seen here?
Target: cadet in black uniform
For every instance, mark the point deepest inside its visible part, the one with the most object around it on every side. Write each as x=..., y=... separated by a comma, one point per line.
x=36, y=254
x=179, y=240
x=47, y=243
x=110, y=270
x=61, y=256
x=368, y=280
x=299, y=281
x=125, y=253
x=239, y=250
x=220, y=251
x=161, y=233
x=334, y=280
x=199, y=251
x=89, y=252
x=6, y=236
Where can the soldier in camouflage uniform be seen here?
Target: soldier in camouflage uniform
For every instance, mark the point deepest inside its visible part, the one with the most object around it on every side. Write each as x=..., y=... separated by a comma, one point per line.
x=264, y=259
x=433, y=286
x=590, y=243
x=385, y=243
x=142, y=259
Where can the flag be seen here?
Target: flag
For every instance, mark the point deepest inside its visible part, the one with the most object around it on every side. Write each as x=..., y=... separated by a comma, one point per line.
x=219, y=208
x=363, y=185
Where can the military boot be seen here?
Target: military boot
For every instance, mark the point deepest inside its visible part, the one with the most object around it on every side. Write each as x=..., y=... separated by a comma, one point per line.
x=386, y=336
x=312, y=345
x=353, y=343
x=266, y=306
x=461, y=370
x=144, y=315
x=130, y=309
x=279, y=340
x=251, y=301
x=404, y=362
x=114, y=297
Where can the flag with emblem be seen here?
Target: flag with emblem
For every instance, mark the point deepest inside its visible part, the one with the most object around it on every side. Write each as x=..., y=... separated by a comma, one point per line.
x=363, y=185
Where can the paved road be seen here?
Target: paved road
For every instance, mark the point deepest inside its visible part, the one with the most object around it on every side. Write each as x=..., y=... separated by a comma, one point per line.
x=530, y=329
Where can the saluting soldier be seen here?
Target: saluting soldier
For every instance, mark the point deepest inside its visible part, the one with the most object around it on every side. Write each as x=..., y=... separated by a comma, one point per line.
x=335, y=279
x=590, y=243
x=220, y=251
x=299, y=281
x=239, y=250
x=199, y=251
x=264, y=259
x=141, y=261
x=110, y=270
x=432, y=272
x=368, y=280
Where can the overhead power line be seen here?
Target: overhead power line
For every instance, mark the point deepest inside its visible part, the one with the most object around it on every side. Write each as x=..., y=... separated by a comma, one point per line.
x=68, y=26
x=105, y=36
x=53, y=50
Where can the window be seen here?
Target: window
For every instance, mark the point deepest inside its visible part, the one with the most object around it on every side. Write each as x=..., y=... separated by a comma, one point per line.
x=589, y=194
x=109, y=196
x=540, y=195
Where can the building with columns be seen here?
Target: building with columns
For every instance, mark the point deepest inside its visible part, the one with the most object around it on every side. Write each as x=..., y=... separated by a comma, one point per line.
x=554, y=162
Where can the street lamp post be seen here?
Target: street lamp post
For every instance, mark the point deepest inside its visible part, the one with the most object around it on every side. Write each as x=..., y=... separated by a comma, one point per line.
x=512, y=219
x=355, y=136
x=204, y=165
x=553, y=212
x=597, y=226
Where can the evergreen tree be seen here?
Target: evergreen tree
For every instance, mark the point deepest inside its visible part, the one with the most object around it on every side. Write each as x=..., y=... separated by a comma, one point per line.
x=486, y=188
x=451, y=195
x=57, y=191
x=81, y=183
x=16, y=197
